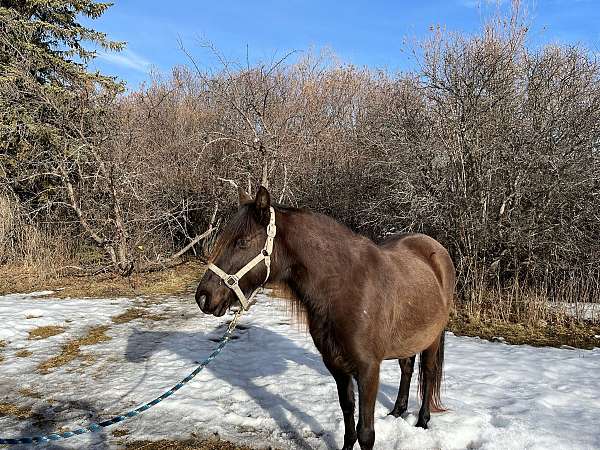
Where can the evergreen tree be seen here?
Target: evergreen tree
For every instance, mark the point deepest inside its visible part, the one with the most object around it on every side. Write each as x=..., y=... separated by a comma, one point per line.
x=55, y=116
x=51, y=105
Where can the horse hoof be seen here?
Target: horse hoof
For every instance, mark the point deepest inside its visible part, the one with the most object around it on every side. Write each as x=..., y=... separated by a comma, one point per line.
x=421, y=425
x=396, y=412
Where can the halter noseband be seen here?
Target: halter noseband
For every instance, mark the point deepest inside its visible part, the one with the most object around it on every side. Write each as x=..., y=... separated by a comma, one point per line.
x=232, y=281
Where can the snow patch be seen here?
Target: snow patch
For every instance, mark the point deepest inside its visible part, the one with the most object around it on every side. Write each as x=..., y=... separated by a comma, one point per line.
x=270, y=387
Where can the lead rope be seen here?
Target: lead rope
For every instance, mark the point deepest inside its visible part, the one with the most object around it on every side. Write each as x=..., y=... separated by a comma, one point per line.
x=95, y=427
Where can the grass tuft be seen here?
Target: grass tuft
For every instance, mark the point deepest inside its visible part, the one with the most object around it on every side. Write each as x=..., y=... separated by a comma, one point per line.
x=45, y=332
x=72, y=349
x=12, y=410
x=120, y=432
x=27, y=392
x=136, y=313
x=567, y=331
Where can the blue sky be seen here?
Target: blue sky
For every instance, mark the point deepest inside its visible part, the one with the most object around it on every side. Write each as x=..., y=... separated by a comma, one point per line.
x=365, y=33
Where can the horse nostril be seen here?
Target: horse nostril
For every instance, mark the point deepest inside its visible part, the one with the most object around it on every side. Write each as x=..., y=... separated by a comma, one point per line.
x=201, y=301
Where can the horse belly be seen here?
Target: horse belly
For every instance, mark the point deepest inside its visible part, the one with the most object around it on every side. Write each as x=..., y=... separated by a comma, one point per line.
x=410, y=345
x=416, y=328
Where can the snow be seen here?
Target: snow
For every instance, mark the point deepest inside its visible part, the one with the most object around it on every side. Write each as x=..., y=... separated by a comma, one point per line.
x=269, y=386
x=581, y=310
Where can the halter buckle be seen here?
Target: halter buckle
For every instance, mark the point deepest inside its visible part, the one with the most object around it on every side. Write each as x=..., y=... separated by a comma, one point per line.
x=271, y=230
x=231, y=281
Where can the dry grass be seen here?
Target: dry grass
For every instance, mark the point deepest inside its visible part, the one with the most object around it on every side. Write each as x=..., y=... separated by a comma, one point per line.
x=72, y=349
x=525, y=314
x=42, y=250
x=12, y=410
x=568, y=331
x=164, y=444
x=23, y=353
x=120, y=432
x=136, y=313
x=27, y=392
x=45, y=332
x=172, y=281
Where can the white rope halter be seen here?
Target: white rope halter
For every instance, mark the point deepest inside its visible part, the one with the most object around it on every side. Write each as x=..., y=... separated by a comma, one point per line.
x=233, y=281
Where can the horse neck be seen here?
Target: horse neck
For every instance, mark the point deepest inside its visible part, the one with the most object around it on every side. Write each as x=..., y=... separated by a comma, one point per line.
x=312, y=248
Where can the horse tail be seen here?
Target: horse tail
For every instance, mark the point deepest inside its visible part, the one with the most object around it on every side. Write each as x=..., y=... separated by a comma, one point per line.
x=436, y=375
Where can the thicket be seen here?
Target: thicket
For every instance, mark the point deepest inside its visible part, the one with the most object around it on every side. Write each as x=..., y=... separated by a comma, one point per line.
x=489, y=145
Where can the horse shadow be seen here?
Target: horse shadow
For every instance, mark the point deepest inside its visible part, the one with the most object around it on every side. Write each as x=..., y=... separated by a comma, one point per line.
x=243, y=366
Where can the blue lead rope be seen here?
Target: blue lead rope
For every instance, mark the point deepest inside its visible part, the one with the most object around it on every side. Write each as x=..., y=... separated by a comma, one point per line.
x=94, y=427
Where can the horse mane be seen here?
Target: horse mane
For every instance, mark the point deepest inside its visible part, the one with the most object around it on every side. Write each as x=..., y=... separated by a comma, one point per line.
x=291, y=305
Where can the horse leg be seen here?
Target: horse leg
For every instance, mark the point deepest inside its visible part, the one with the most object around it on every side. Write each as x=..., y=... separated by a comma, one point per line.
x=430, y=378
x=406, y=366
x=368, y=385
x=345, y=390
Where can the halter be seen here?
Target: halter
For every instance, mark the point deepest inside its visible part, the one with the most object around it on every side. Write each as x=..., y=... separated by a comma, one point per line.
x=233, y=281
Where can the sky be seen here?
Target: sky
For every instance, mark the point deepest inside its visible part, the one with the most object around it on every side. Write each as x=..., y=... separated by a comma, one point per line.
x=372, y=33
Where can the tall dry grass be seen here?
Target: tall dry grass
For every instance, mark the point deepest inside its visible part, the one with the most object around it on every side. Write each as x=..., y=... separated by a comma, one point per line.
x=42, y=251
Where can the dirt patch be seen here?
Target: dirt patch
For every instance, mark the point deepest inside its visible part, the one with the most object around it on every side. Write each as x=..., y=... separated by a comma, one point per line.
x=12, y=410
x=72, y=349
x=45, y=332
x=136, y=313
x=176, y=280
x=571, y=332
x=185, y=445
x=23, y=353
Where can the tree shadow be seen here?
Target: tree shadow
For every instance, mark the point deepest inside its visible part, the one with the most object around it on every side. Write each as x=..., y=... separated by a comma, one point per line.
x=46, y=419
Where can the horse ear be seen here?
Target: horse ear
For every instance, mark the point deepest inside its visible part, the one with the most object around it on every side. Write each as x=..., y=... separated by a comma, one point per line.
x=262, y=202
x=244, y=197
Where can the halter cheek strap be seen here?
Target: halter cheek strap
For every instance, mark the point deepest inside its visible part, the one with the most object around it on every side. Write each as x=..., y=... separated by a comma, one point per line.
x=233, y=281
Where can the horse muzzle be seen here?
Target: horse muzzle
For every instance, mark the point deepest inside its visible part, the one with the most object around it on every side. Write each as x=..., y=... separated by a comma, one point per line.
x=216, y=305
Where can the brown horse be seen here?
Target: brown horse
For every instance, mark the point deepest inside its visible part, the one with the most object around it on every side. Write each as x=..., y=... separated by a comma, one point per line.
x=364, y=302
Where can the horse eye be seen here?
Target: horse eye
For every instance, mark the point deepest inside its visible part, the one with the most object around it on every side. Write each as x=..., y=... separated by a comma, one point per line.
x=242, y=243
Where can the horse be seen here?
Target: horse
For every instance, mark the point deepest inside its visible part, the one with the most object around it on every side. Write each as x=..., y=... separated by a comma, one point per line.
x=363, y=302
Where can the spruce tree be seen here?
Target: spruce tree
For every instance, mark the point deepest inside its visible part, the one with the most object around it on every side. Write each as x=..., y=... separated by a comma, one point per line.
x=51, y=105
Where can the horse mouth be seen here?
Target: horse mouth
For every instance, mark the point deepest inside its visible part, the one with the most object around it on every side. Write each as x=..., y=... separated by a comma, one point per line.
x=221, y=309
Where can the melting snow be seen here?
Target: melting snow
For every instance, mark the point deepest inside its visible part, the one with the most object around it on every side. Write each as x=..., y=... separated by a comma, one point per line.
x=269, y=386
